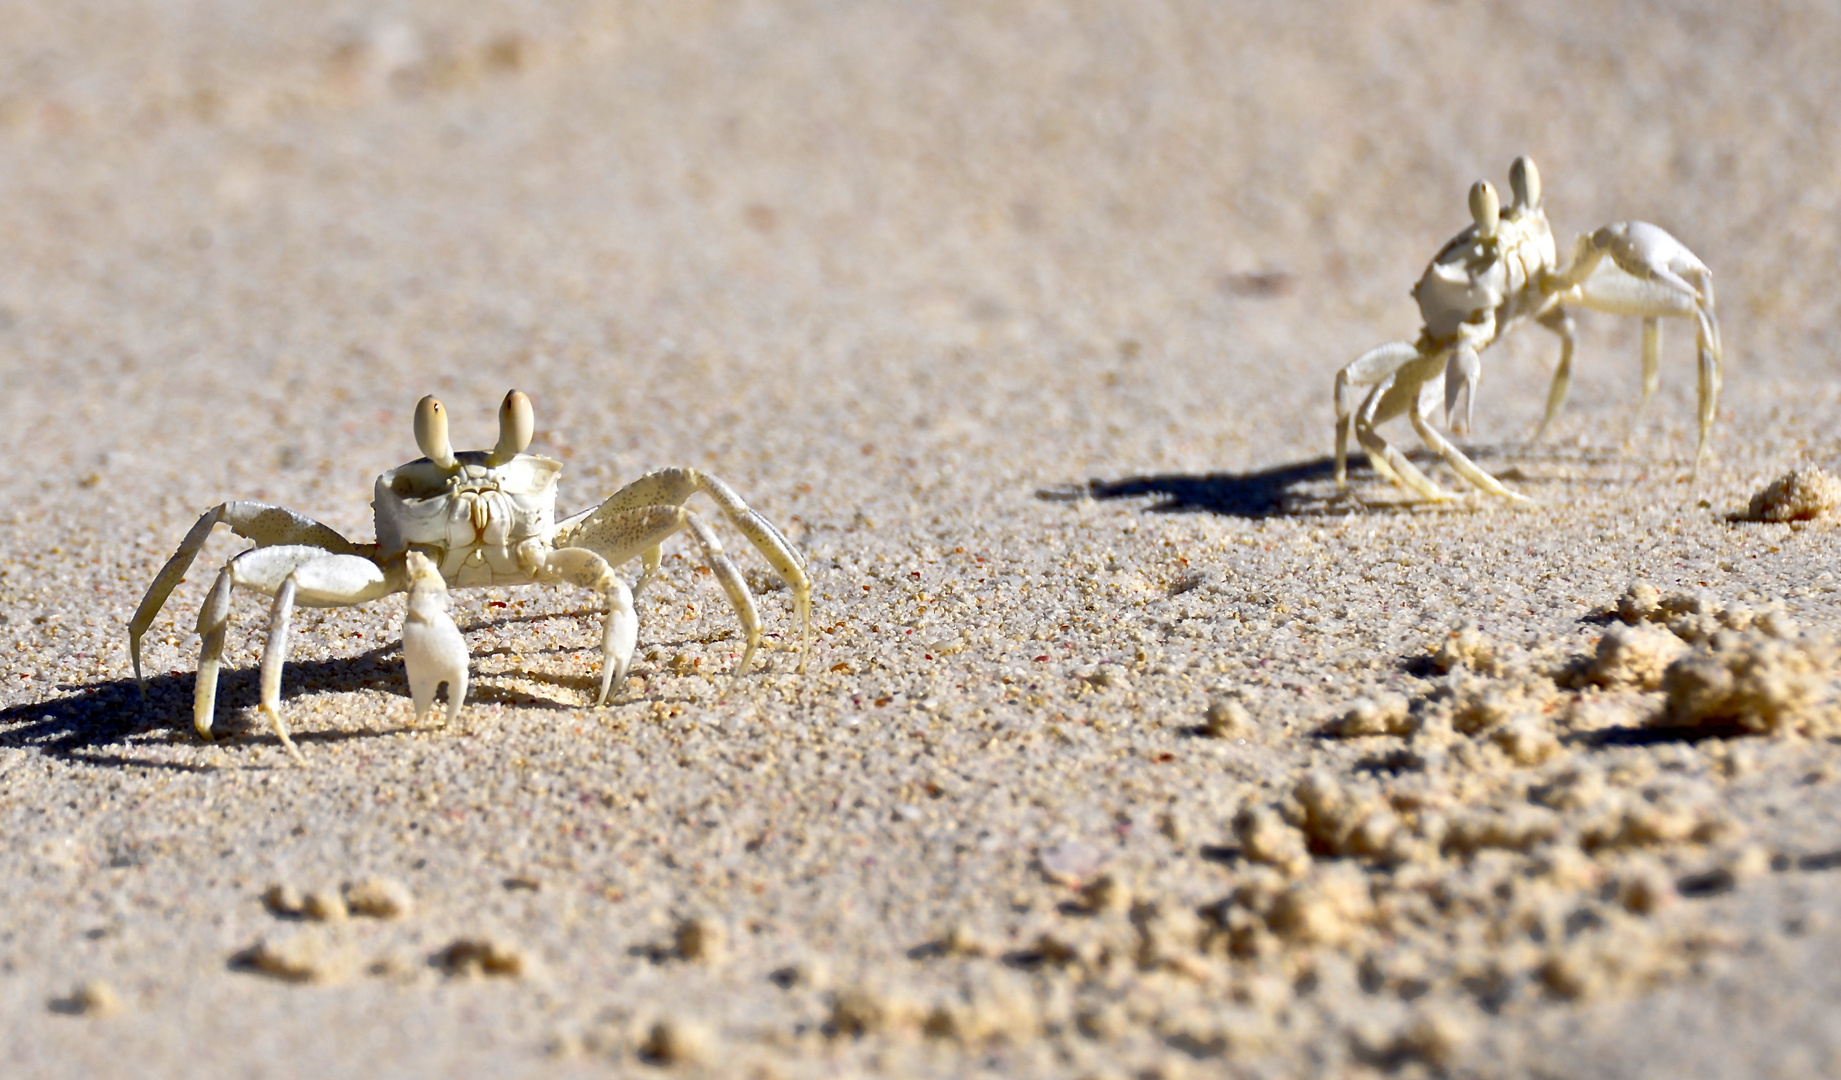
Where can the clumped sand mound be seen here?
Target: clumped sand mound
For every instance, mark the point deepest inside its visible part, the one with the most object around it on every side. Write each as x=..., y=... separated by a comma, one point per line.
x=1798, y=495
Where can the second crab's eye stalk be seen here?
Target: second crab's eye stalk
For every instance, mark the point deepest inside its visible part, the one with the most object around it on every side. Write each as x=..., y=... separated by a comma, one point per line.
x=517, y=423
x=431, y=433
x=1525, y=182
x=1485, y=208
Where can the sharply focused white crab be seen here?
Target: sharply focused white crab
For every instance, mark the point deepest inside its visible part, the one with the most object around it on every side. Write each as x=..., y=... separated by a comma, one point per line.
x=1491, y=277
x=480, y=517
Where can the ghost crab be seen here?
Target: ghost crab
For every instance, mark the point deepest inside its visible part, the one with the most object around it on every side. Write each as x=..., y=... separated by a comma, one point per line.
x=1490, y=278
x=474, y=518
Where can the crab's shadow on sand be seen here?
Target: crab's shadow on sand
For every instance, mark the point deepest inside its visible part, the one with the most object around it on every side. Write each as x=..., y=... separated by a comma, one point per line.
x=1308, y=488
x=1302, y=489
x=105, y=723
x=110, y=724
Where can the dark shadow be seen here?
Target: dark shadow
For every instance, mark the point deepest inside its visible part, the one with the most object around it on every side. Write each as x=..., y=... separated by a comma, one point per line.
x=1274, y=492
x=1308, y=488
x=930, y=950
x=1661, y=733
x=100, y=723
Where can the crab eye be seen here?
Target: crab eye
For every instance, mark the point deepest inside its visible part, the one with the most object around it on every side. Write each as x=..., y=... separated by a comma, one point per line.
x=1485, y=208
x=1525, y=182
x=517, y=423
x=431, y=433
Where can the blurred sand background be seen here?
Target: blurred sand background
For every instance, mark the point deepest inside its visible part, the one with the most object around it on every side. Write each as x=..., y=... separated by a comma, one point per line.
x=909, y=277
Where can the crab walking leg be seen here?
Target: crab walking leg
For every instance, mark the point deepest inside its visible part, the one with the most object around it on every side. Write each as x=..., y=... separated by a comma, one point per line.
x=213, y=624
x=290, y=573
x=1558, y=321
x=1652, y=373
x=1369, y=369
x=1389, y=400
x=1455, y=458
x=1635, y=268
x=671, y=488
x=434, y=652
x=620, y=625
x=620, y=536
x=266, y=525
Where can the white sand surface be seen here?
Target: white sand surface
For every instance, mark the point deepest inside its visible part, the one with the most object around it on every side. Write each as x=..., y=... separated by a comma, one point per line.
x=1021, y=320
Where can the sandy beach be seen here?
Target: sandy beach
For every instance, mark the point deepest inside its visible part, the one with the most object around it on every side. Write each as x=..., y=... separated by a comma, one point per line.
x=1126, y=744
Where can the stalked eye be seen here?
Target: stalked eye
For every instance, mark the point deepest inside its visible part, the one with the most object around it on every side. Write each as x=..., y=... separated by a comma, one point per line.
x=517, y=424
x=1485, y=208
x=431, y=433
x=1525, y=182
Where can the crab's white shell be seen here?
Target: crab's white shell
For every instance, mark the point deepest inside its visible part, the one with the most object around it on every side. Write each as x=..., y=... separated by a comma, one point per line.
x=469, y=522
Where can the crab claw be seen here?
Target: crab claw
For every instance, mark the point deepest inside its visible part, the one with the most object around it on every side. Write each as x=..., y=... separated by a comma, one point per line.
x=1649, y=252
x=1462, y=373
x=433, y=650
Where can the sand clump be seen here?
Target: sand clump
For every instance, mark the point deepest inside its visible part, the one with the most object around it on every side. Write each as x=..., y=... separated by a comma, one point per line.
x=475, y=957
x=1757, y=683
x=372, y=897
x=1799, y=495
x=302, y=957
x=677, y=1041
x=1490, y=824
x=379, y=898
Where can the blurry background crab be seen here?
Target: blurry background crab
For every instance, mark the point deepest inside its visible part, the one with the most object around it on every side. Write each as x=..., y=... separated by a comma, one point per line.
x=1500, y=272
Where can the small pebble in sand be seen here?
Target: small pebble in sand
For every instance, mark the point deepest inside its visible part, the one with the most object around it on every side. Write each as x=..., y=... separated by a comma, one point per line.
x=678, y=1042
x=1072, y=862
x=1798, y=495
x=1227, y=718
x=379, y=898
x=1434, y=1035
x=703, y=940
x=93, y=998
x=1106, y=895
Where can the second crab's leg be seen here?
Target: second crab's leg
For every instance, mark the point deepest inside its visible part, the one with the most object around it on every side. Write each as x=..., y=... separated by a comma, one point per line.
x=1455, y=458
x=1396, y=395
x=1635, y=268
x=1558, y=321
x=1369, y=369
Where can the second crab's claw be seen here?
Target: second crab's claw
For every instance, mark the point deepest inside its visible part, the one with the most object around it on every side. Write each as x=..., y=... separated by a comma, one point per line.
x=1649, y=252
x=1462, y=373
